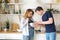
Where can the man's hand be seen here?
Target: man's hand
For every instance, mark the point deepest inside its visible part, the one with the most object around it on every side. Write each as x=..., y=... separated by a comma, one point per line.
x=38, y=23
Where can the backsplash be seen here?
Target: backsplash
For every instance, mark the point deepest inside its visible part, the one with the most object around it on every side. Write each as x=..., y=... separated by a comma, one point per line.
x=57, y=21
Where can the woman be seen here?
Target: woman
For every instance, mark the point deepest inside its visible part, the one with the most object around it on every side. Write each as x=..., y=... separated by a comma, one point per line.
x=28, y=31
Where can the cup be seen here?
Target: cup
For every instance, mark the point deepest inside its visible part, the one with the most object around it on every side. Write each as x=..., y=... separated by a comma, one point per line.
x=5, y=30
x=32, y=24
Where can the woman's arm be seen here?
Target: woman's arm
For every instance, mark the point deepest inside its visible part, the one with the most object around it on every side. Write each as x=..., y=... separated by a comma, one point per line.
x=25, y=22
x=22, y=23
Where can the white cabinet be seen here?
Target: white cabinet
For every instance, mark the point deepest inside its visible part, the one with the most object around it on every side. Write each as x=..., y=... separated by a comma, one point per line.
x=58, y=36
x=38, y=36
x=10, y=36
x=42, y=36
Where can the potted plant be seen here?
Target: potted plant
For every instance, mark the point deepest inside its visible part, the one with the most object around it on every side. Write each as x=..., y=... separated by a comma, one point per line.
x=53, y=10
x=50, y=9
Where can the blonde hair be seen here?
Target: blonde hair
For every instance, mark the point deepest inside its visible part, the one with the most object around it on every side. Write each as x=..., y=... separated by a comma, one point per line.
x=27, y=12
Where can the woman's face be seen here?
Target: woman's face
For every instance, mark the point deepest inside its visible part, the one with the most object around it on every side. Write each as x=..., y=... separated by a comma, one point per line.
x=30, y=15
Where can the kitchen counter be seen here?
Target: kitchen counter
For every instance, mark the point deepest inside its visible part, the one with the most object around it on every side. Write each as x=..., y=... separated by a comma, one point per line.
x=21, y=32
x=45, y=32
x=10, y=35
x=42, y=36
x=10, y=32
x=18, y=35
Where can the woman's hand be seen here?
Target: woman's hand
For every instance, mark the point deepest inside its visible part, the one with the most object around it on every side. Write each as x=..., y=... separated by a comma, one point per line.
x=27, y=19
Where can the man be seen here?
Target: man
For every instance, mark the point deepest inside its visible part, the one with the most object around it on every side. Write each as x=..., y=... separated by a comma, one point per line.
x=48, y=21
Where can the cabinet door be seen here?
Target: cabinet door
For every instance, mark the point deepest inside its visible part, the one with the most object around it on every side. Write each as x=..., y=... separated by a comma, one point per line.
x=58, y=36
x=39, y=37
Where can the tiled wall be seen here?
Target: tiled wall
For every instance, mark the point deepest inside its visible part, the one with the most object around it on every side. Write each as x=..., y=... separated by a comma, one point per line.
x=57, y=21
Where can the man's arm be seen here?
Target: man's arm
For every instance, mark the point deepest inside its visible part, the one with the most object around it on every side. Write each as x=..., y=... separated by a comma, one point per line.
x=50, y=21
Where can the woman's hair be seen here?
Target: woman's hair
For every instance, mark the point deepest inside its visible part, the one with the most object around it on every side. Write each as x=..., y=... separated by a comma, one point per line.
x=27, y=12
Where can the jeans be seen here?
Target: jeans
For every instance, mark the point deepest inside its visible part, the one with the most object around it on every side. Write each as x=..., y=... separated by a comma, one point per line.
x=25, y=37
x=31, y=34
x=51, y=36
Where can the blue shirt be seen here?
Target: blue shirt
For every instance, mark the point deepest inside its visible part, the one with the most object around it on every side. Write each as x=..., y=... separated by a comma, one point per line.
x=49, y=27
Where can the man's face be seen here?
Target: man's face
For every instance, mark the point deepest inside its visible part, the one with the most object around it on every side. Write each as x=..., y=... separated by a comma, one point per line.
x=40, y=12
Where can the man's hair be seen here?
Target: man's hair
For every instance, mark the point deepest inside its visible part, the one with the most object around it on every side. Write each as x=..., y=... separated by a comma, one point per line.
x=38, y=9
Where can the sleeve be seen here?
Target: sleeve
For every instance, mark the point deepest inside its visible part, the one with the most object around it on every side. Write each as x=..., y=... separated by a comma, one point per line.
x=21, y=23
x=49, y=14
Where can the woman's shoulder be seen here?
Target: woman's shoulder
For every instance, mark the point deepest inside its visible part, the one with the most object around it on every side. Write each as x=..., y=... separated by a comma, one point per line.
x=22, y=18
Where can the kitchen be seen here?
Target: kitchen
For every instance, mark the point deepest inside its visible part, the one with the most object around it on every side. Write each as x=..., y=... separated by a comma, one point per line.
x=12, y=11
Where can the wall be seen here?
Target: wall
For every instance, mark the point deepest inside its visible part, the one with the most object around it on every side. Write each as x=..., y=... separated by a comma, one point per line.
x=57, y=21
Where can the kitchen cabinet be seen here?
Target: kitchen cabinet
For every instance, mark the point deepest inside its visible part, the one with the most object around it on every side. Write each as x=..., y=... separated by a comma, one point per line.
x=18, y=35
x=10, y=35
x=42, y=36
x=58, y=36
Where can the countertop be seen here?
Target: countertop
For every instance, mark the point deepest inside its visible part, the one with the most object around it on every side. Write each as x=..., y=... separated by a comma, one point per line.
x=45, y=32
x=11, y=32
x=21, y=32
